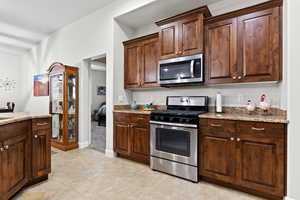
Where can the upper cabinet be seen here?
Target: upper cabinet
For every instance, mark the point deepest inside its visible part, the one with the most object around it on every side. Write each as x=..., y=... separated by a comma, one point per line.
x=141, y=61
x=245, y=45
x=182, y=35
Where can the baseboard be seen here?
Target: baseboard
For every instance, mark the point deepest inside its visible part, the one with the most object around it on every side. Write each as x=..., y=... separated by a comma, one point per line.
x=83, y=144
x=110, y=153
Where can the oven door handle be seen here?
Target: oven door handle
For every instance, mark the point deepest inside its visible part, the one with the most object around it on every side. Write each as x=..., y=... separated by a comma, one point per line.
x=174, y=124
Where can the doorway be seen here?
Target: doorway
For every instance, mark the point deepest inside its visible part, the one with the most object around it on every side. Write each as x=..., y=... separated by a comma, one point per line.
x=98, y=103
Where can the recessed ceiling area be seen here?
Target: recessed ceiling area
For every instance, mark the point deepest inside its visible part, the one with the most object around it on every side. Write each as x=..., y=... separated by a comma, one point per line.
x=25, y=23
x=161, y=9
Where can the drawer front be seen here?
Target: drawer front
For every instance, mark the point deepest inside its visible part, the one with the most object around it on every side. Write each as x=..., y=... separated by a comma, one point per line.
x=261, y=129
x=40, y=124
x=217, y=127
x=122, y=117
x=141, y=120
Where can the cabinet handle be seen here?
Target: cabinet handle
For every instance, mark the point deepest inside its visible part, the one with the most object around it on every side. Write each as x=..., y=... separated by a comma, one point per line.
x=179, y=52
x=232, y=138
x=35, y=136
x=1, y=149
x=42, y=124
x=215, y=125
x=6, y=147
x=257, y=129
x=239, y=77
x=238, y=139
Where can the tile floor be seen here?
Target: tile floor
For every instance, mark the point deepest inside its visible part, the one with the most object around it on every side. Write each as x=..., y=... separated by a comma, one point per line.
x=87, y=174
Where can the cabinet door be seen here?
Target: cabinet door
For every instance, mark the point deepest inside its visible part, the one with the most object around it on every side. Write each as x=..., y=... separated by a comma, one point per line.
x=14, y=165
x=259, y=48
x=1, y=170
x=221, y=51
x=140, y=139
x=191, y=35
x=149, y=70
x=169, y=38
x=217, y=158
x=260, y=164
x=122, y=138
x=41, y=153
x=133, y=55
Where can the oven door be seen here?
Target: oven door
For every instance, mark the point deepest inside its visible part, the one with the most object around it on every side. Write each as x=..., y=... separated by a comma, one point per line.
x=175, y=142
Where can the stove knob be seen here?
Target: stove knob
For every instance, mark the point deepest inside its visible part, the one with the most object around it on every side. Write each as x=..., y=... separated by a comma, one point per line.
x=156, y=118
x=161, y=118
x=171, y=119
x=181, y=120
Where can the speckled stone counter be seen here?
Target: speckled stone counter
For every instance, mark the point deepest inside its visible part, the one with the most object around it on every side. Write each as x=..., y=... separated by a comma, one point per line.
x=246, y=117
x=139, y=111
x=8, y=118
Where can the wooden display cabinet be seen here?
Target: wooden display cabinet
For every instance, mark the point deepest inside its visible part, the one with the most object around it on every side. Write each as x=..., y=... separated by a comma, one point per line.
x=64, y=84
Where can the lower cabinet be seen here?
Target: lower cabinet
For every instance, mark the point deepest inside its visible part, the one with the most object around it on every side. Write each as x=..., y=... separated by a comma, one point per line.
x=251, y=157
x=23, y=160
x=132, y=137
x=41, y=153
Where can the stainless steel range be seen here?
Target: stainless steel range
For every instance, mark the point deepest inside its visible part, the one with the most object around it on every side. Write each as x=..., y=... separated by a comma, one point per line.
x=174, y=136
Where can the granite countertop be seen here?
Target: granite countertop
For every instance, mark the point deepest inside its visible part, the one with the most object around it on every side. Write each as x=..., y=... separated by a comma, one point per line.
x=139, y=111
x=246, y=117
x=228, y=116
x=8, y=118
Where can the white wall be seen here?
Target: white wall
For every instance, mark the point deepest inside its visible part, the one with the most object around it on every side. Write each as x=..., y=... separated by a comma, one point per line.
x=98, y=79
x=10, y=66
x=90, y=36
x=292, y=49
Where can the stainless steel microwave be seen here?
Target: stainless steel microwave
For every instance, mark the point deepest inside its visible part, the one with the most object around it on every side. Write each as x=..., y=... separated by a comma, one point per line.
x=181, y=70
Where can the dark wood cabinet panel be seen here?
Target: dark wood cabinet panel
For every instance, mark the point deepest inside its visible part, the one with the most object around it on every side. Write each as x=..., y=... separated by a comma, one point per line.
x=140, y=142
x=150, y=63
x=261, y=164
x=182, y=35
x=259, y=45
x=191, y=32
x=141, y=62
x=248, y=155
x=122, y=138
x=245, y=45
x=132, y=64
x=132, y=138
x=217, y=158
x=221, y=51
x=41, y=156
x=169, y=38
x=14, y=165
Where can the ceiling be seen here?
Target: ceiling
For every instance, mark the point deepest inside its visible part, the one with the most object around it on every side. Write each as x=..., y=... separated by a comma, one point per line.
x=25, y=23
x=161, y=9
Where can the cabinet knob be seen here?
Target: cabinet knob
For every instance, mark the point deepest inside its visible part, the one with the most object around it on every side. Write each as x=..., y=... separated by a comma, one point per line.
x=234, y=77
x=179, y=52
x=1, y=149
x=35, y=136
x=239, y=77
x=6, y=147
x=238, y=139
x=232, y=138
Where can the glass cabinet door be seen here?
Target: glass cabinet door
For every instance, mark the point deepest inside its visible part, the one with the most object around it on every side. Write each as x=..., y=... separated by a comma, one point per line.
x=57, y=93
x=72, y=93
x=57, y=128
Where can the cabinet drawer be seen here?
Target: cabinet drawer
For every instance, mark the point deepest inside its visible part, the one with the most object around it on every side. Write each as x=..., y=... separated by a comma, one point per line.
x=261, y=129
x=141, y=120
x=39, y=124
x=217, y=127
x=122, y=117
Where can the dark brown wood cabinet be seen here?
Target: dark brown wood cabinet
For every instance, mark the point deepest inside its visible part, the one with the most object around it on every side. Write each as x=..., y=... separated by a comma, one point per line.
x=22, y=159
x=245, y=45
x=41, y=148
x=248, y=155
x=132, y=137
x=141, y=62
x=182, y=35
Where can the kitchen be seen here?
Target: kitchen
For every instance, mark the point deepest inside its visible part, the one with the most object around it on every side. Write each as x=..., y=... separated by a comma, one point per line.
x=226, y=141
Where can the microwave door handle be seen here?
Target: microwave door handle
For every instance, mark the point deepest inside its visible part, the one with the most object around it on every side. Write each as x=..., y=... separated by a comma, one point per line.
x=192, y=68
